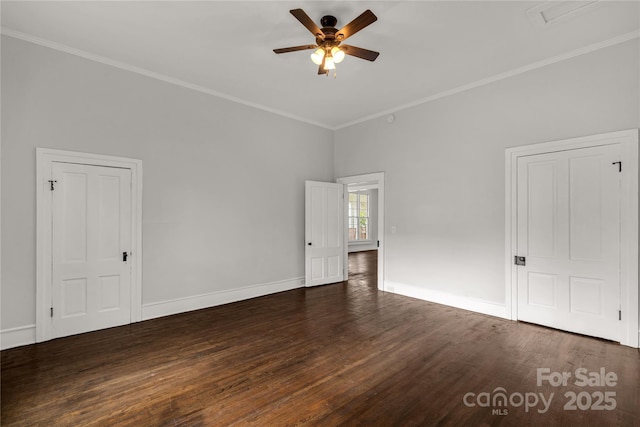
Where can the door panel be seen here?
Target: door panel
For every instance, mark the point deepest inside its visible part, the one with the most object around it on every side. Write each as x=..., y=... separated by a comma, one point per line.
x=74, y=205
x=542, y=290
x=109, y=292
x=109, y=209
x=585, y=208
x=568, y=228
x=74, y=297
x=91, y=284
x=586, y=295
x=324, y=233
x=542, y=214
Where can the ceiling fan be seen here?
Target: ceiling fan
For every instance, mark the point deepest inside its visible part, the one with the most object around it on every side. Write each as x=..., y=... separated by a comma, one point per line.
x=328, y=48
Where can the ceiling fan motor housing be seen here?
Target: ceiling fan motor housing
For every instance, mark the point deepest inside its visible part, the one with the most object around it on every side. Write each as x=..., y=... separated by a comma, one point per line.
x=328, y=21
x=329, y=29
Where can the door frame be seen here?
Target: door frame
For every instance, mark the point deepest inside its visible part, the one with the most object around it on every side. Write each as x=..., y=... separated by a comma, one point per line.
x=628, y=141
x=45, y=157
x=376, y=179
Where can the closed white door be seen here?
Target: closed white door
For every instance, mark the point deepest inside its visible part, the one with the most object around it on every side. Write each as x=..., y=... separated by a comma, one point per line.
x=324, y=233
x=568, y=230
x=91, y=274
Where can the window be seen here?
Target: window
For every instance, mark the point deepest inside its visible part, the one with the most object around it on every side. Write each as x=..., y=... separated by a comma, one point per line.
x=358, y=216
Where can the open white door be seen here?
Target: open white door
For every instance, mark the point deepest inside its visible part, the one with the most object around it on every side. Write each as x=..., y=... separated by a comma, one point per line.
x=324, y=233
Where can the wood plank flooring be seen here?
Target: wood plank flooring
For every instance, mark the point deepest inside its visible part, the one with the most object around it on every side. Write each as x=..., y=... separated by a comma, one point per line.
x=335, y=355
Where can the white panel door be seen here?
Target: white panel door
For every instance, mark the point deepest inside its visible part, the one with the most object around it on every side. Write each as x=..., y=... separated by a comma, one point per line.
x=324, y=233
x=91, y=281
x=568, y=229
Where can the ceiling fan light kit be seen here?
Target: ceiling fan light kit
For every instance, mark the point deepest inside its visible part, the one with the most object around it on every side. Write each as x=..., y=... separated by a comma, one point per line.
x=335, y=55
x=328, y=50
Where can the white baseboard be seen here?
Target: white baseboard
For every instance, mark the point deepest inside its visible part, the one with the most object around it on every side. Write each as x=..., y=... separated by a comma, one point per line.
x=465, y=303
x=25, y=335
x=197, y=302
x=15, y=337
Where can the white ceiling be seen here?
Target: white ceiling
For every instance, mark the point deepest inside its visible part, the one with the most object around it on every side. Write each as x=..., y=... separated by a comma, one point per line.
x=427, y=48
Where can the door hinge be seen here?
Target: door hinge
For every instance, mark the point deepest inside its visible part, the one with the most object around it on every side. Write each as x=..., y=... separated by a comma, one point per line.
x=51, y=312
x=519, y=260
x=378, y=243
x=619, y=314
x=619, y=165
x=52, y=181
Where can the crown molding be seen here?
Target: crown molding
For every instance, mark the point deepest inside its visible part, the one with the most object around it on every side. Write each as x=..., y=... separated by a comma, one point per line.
x=521, y=70
x=168, y=79
x=148, y=73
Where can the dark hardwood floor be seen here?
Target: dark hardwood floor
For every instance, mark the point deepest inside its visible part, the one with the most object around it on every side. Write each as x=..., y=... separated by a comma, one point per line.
x=342, y=354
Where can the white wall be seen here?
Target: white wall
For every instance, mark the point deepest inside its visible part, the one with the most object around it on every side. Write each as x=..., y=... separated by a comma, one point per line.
x=223, y=198
x=444, y=165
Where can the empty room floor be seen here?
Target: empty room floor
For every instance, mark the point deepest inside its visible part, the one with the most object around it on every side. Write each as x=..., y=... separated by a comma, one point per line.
x=340, y=354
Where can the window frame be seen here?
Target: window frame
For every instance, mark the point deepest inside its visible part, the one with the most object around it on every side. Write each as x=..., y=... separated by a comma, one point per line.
x=358, y=217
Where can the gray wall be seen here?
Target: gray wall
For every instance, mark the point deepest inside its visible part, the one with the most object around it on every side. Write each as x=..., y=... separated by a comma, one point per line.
x=444, y=163
x=223, y=198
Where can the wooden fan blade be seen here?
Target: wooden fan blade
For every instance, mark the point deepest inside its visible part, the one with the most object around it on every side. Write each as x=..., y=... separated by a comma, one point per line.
x=295, y=48
x=307, y=22
x=359, y=52
x=366, y=18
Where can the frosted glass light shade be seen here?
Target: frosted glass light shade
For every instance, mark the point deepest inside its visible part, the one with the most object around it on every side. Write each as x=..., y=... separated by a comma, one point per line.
x=317, y=56
x=329, y=64
x=337, y=55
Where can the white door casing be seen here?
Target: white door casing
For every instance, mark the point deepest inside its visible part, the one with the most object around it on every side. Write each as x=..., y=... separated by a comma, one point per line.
x=324, y=233
x=45, y=163
x=91, y=230
x=569, y=233
x=627, y=329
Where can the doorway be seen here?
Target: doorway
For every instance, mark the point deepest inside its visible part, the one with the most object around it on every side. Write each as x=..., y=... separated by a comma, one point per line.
x=572, y=235
x=91, y=229
x=89, y=258
x=368, y=263
x=569, y=230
